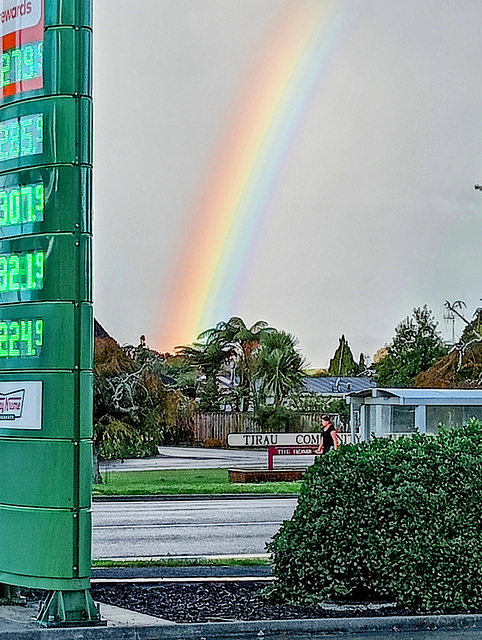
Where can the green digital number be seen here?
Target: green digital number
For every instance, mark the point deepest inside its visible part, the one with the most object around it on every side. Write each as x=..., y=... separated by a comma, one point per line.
x=3, y=208
x=14, y=139
x=22, y=63
x=21, y=137
x=14, y=351
x=3, y=339
x=26, y=336
x=5, y=69
x=39, y=333
x=40, y=206
x=22, y=272
x=22, y=204
x=13, y=272
x=18, y=337
x=28, y=60
x=3, y=273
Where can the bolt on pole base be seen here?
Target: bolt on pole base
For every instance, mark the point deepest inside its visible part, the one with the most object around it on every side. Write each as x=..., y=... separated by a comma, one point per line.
x=69, y=609
x=11, y=595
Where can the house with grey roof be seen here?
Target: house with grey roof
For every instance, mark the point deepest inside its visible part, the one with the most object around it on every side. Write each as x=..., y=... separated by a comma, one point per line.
x=338, y=386
x=386, y=412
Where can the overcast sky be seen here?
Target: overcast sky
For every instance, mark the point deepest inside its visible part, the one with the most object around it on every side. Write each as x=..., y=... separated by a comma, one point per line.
x=373, y=210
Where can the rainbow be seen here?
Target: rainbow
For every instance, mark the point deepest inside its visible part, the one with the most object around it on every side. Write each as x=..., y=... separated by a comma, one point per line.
x=287, y=71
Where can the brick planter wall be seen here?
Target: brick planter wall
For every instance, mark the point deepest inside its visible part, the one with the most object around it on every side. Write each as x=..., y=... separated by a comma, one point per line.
x=265, y=475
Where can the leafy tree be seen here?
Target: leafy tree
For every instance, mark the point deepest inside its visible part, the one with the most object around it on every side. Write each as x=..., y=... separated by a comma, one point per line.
x=208, y=359
x=133, y=409
x=240, y=343
x=343, y=363
x=362, y=363
x=279, y=366
x=462, y=366
x=415, y=347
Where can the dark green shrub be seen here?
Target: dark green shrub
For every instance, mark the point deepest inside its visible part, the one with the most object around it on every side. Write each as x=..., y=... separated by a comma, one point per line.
x=276, y=418
x=121, y=440
x=397, y=521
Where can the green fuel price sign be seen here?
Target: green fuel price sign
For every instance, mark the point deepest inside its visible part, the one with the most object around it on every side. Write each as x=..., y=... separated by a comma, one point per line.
x=46, y=317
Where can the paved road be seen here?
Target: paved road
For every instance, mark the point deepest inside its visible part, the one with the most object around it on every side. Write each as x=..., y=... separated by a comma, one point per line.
x=198, y=458
x=187, y=527
x=418, y=635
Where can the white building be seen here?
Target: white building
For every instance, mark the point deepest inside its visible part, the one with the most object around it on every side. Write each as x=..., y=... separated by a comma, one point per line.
x=384, y=412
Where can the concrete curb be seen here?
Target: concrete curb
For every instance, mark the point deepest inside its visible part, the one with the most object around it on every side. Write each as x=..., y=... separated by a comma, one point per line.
x=300, y=629
x=194, y=496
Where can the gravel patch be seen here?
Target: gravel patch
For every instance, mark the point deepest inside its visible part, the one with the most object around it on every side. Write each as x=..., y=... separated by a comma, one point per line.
x=224, y=602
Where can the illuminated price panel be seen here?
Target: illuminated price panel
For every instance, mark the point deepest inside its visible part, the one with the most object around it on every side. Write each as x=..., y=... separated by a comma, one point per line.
x=45, y=268
x=22, y=136
x=43, y=133
x=30, y=337
x=22, y=272
x=44, y=200
x=21, y=64
x=22, y=39
x=22, y=338
x=20, y=205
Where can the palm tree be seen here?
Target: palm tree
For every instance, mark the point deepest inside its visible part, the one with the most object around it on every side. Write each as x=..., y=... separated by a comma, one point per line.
x=279, y=366
x=208, y=359
x=240, y=343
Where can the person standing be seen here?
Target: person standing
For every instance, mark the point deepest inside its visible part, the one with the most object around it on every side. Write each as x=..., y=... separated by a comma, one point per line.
x=329, y=436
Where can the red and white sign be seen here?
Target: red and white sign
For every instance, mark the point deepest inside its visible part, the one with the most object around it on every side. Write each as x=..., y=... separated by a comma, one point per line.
x=21, y=405
x=18, y=15
x=22, y=42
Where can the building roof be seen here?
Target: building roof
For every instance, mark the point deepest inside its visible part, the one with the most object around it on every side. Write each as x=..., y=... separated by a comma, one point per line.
x=410, y=396
x=339, y=385
x=99, y=331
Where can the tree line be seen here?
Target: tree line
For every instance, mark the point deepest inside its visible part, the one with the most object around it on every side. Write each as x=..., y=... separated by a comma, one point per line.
x=143, y=398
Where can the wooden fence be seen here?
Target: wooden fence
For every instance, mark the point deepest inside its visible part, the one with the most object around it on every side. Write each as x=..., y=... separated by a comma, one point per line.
x=217, y=426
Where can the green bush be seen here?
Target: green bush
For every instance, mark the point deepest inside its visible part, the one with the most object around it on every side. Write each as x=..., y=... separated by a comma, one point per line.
x=276, y=418
x=396, y=521
x=121, y=440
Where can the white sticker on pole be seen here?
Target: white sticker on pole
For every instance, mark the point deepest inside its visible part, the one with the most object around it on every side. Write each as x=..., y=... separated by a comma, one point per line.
x=21, y=405
x=16, y=15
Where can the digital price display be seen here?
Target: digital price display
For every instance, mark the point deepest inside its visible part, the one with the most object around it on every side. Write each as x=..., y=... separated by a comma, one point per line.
x=22, y=46
x=22, y=63
x=22, y=272
x=22, y=204
x=21, y=338
x=21, y=137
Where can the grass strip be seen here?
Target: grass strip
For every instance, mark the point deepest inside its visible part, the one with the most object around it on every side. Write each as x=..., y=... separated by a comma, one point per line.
x=184, y=482
x=179, y=562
